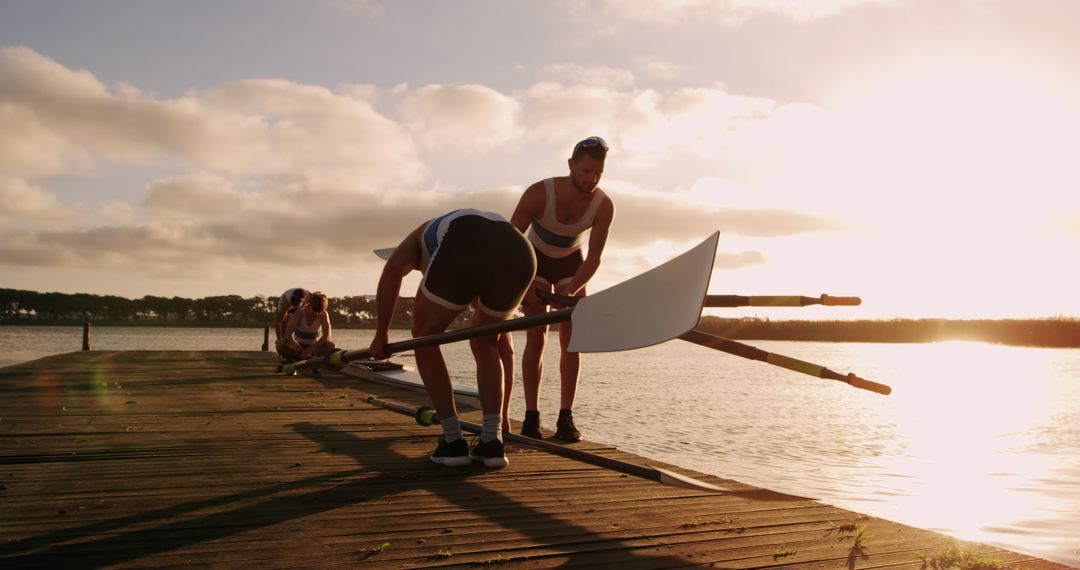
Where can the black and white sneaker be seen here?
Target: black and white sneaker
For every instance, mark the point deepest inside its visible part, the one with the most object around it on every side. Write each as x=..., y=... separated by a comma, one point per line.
x=490, y=453
x=451, y=454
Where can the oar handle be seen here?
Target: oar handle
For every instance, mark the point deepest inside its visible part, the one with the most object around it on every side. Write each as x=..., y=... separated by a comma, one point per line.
x=341, y=357
x=831, y=301
x=865, y=384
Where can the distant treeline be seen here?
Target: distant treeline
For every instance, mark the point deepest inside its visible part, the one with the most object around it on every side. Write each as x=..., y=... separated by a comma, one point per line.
x=1055, y=332
x=29, y=307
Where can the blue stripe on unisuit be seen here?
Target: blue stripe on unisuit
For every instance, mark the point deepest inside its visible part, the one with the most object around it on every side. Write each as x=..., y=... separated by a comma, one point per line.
x=553, y=238
x=431, y=234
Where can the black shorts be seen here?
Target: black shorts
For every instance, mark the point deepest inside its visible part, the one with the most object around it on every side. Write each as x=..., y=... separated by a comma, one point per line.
x=480, y=259
x=555, y=270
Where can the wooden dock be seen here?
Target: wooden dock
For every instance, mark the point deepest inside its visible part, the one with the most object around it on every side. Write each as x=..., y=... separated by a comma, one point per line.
x=143, y=459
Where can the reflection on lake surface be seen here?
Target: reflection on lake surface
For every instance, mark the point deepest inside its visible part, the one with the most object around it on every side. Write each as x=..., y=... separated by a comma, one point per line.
x=978, y=441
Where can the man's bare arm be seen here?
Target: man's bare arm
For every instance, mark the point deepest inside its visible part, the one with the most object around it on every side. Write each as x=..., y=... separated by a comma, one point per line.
x=531, y=205
x=406, y=257
x=597, y=241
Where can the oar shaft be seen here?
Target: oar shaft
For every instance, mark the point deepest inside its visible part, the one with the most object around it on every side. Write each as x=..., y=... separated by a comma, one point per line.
x=650, y=473
x=466, y=333
x=739, y=300
x=778, y=301
x=341, y=358
x=753, y=353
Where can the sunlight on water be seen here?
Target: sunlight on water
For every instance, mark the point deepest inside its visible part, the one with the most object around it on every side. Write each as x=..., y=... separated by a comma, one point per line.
x=965, y=426
x=976, y=457
x=978, y=441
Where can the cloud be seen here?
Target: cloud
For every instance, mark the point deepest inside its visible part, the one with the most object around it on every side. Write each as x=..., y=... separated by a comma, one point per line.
x=269, y=175
x=725, y=12
x=602, y=76
x=203, y=225
x=648, y=128
x=28, y=204
x=309, y=129
x=117, y=213
x=22, y=247
x=663, y=70
x=561, y=113
x=642, y=219
x=62, y=121
x=470, y=117
x=731, y=261
x=199, y=196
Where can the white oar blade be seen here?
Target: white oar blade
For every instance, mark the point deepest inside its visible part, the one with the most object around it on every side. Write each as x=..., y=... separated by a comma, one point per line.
x=385, y=252
x=653, y=307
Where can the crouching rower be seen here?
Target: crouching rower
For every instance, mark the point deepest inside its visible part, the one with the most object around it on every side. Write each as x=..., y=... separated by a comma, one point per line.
x=308, y=333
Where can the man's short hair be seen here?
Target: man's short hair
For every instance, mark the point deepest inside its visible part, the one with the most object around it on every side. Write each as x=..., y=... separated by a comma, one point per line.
x=297, y=296
x=319, y=301
x=594, y=147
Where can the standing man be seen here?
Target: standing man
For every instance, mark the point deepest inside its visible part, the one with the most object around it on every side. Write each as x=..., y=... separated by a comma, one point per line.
x=465, y=256
x=558, y=212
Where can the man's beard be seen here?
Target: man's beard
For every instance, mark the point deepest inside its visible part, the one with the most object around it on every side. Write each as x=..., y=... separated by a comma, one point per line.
x=579, y=188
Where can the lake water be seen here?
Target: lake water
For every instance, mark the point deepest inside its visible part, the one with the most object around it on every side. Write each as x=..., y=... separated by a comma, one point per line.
x=977, y=441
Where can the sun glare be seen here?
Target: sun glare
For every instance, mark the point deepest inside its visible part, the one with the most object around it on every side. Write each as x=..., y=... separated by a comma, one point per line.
x=964, y=420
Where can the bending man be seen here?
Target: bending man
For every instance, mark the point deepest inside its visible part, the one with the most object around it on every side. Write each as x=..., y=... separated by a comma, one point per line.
x=464, y=255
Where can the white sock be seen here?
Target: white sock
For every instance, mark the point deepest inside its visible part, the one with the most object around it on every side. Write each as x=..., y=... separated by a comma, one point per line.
x=492, y=427
x=451, y=428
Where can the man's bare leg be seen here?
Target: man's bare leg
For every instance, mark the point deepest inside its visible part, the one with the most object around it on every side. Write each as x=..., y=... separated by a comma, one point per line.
x=432, y=318
x=532, y=366
x=506, y=355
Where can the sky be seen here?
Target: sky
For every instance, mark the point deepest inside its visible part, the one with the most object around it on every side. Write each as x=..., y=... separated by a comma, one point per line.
x=919, y=154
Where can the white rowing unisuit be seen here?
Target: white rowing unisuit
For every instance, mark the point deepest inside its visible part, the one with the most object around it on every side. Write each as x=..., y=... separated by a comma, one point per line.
x=554, y=238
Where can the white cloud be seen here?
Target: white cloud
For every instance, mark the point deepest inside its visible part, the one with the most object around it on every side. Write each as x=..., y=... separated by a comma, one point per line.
x=264, y=176
x=657, y=216
x=460, y=117
x=558, y=113
x=199, y=196
x=27, y=204
x=61, y=121
x=663, y=70
x=279, y=173
x=117, y=213
x=725, y=12
x=596, y=76
x=306, y=129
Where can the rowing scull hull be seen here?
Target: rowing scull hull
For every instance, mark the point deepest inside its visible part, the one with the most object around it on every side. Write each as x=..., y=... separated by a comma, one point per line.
x=398, y=375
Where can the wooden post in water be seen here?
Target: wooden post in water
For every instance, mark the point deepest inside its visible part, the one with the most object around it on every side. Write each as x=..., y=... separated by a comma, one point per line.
x=86, y=335
x=266, y=338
